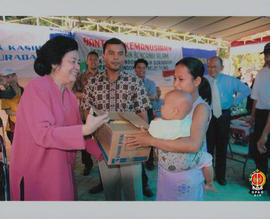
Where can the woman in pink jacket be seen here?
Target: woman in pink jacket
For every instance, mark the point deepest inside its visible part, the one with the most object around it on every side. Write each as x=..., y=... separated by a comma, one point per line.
x=48, y=128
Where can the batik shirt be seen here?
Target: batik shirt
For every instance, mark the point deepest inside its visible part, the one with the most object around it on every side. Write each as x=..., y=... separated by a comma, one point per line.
x=81, y=81
x=126, y=94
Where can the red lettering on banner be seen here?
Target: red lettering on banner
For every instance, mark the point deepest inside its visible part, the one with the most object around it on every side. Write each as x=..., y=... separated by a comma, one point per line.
x=142, y=47
x=93, y=42
x=130, y=45
x=137, y=46
x=168, y=73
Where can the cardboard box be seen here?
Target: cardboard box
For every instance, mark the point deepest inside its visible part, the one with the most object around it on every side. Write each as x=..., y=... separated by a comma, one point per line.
x=110, y=139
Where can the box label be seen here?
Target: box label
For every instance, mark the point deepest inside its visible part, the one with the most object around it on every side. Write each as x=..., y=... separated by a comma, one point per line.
x=119, y=147
x=126, y=160
x=102, y=150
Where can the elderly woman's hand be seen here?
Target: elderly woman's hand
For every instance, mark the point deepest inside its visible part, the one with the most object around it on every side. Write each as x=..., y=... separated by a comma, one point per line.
x=94, y=122
x=142, y=139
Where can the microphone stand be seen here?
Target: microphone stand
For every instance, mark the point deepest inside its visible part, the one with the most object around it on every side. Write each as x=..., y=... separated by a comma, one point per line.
x=5, y=164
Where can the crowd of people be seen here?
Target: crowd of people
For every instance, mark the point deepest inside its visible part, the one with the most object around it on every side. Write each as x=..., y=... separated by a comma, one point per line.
x=53, y=118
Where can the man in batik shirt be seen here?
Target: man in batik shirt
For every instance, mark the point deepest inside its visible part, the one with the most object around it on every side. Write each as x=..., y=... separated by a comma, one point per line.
x=115, y=90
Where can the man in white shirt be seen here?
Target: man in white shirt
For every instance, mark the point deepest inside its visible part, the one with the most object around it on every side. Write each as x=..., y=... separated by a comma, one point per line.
x=260, y=110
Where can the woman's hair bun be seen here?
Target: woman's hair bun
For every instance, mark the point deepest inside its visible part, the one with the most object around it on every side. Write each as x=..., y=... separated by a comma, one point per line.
x=41, y=68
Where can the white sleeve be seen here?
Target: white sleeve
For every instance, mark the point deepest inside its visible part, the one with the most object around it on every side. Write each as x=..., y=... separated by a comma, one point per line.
x=255, y=88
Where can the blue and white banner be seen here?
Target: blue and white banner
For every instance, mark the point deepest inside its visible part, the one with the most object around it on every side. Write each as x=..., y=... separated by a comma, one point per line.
x=18, y=46
x=161, y=54
x=201, y=54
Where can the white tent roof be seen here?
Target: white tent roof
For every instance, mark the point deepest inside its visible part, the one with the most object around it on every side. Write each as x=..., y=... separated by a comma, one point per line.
x=228, y=28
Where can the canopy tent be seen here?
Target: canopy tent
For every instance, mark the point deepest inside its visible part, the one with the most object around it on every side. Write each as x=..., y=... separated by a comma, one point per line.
x=224, y=28
x=229, y=28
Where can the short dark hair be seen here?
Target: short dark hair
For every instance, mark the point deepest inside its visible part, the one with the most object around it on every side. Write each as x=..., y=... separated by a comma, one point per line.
x=92, y=53
x=140, y=61
x=114, y=41
x=219, y=59
x=52, y=52
x=266, y=49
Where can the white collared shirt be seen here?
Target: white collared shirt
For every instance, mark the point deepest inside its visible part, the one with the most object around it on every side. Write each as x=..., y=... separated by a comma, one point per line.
x=261, y=89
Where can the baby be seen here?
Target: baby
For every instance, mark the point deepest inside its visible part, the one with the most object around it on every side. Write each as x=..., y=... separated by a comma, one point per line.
x=175, y=123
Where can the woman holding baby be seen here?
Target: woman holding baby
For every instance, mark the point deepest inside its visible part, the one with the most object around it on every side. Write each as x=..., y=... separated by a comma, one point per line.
x=188, y=184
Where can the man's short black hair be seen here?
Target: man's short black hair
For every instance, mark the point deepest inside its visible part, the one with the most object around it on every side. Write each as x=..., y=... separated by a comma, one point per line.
x=114, y=41
x=92, y=53
x=140, y=61
x=266, y=49
x=219, y=59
